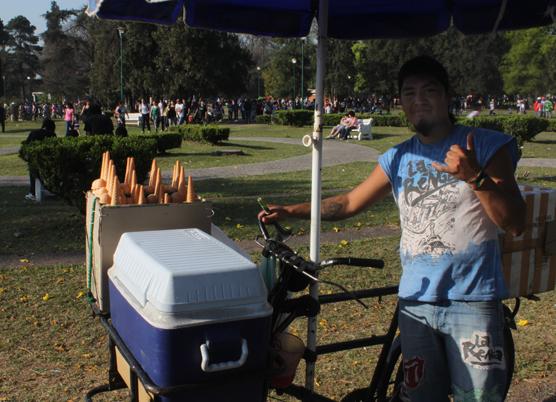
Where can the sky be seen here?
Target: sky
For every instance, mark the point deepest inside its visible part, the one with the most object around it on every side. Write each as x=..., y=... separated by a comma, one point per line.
x=33, y=10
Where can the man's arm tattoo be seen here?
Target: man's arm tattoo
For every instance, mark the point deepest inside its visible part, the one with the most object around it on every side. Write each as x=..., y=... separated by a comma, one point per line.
x=330, y=210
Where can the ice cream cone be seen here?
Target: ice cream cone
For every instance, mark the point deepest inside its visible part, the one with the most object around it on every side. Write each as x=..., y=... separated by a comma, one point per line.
x=191, y=196
x=115, y=191
x=140, y=195
x=152, y=174
x=105, y=198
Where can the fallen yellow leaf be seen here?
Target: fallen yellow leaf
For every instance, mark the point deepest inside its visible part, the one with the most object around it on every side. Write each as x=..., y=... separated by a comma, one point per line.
x=336, y=229
x=522, y=323
x=344, y=243
x=23, y=260
x=46, y=297
x=80, y=295
x=239, y=226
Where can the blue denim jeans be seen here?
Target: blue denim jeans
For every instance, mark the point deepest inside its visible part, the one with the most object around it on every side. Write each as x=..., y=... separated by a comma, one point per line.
x=453, y=347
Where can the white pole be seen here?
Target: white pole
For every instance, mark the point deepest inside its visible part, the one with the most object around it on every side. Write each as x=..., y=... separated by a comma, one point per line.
x=322, y=55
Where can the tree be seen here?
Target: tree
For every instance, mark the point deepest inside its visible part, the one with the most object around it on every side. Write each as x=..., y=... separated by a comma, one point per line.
x=64, y=73
x=201, y=62
x=471, y=61
x=527, y=68
x=104, y=51
x=340, y=72
x=4, y=38
x=281, y=76
x=23, y=60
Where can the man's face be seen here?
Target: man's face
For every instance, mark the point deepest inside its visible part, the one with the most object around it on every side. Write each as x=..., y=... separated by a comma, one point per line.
x=425, y=103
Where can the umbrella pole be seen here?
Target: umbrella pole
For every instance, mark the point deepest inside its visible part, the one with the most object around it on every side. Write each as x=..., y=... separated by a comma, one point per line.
x=322, y=55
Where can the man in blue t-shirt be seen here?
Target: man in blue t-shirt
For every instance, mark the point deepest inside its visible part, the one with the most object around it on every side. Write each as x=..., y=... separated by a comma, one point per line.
x=454, y=186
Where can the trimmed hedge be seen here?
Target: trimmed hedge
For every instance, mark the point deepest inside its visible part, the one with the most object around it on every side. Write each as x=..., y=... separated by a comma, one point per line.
x=523, y=128
x=209, y=133
x=296, y=118
x=551, y=125
x=263, y=119
x=68, y=166
x=165, y=141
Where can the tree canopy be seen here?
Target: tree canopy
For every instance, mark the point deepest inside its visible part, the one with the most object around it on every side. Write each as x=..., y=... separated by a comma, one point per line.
x=81, y=56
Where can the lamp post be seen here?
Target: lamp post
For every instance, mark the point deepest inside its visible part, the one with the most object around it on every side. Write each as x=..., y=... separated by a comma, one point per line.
x=121, y=34
x=302, y=90
x=293, y=76
x=30, y=90
x=258, y=82
x=4, y=87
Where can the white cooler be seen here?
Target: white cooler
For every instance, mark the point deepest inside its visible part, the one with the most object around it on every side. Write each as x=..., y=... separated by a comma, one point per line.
x=191, y=309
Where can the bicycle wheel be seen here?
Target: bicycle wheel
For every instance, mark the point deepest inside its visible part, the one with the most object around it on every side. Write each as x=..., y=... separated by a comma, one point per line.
x=391, y=381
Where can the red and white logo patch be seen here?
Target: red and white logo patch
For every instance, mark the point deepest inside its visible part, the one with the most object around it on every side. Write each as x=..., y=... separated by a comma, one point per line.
x=413, y=372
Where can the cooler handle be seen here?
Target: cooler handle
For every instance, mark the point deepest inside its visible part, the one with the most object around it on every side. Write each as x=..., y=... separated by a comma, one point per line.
x=211, y=368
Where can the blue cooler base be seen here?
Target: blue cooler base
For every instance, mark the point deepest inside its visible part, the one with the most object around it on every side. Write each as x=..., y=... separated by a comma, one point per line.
x=172, y=357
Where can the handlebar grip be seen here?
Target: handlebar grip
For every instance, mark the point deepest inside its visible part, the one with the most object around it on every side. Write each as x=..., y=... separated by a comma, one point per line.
x=355, y=262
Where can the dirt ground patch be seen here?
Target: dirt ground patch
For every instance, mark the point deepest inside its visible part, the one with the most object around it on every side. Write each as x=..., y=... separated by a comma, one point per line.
x=533, y=390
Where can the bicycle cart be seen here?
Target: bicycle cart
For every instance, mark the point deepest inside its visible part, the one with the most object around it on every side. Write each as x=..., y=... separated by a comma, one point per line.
x=289, y=302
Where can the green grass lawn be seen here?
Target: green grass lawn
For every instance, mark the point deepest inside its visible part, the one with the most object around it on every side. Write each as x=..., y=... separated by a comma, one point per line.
x=542, y=146
x=51, y=349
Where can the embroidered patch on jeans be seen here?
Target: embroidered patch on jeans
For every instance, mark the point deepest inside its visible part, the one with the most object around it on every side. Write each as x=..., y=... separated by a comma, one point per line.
x=480, y=353
x=413, y=372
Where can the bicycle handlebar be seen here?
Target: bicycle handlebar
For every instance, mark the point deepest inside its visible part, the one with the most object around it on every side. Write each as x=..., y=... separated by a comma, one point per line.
x=354, y=262
x=288, y=256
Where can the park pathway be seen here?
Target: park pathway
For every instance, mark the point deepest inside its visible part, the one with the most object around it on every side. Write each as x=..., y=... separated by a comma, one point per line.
x=335, y=152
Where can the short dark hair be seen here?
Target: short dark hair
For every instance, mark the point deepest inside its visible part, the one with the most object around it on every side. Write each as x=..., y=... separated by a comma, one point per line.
x=424, y=65
x=48, y=125
x=351, y=113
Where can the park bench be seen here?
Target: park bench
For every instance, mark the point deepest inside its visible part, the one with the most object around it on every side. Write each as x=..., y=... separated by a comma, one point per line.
x=363, y=130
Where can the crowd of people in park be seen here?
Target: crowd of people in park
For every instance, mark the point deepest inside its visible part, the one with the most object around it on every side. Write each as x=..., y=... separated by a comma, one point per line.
x=159, y=114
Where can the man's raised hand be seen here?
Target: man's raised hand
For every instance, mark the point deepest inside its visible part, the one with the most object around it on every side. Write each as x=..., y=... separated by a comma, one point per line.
x=459, y=162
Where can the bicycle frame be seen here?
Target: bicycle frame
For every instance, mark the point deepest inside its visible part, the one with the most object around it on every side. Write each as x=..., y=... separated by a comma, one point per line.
x=305, y=393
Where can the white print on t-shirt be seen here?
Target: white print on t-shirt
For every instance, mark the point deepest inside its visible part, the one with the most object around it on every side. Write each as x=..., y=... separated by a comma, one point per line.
x=427, y=205
x=480, y=353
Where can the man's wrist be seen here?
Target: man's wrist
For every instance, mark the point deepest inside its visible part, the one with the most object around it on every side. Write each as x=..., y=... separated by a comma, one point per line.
x=478, y=180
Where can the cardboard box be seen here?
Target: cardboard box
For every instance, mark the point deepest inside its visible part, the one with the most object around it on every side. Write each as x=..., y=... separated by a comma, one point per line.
x=109, y=222
x=529, y=260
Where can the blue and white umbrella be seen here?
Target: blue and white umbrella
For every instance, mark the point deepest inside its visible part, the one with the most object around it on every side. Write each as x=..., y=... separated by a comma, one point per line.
x=341, y=19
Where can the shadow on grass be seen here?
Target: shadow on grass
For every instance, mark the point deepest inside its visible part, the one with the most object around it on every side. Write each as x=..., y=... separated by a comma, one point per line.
x=16, y=130
x=543, y=141
x=378, y=136
x=236, y=144
x=212, y=153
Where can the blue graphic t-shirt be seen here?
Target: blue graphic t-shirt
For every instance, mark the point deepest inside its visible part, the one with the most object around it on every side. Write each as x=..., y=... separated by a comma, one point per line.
x=449, y=246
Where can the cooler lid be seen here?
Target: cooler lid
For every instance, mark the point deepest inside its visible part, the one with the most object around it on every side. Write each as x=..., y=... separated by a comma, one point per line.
x=185, y=270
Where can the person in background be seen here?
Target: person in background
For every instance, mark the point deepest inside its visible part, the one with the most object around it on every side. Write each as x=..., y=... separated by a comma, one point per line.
x=48, y=129
x=68, y=118
x=3, y=116
x=155, y=115
x=120, y=113
x=145, y=113
x=454, y=187
x=347, y=123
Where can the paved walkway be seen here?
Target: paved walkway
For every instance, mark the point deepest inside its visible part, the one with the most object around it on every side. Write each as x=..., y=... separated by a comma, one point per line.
x=334, y=153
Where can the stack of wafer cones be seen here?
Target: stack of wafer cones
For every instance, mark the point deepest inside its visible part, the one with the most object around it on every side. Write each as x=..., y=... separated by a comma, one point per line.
x=110, y=191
